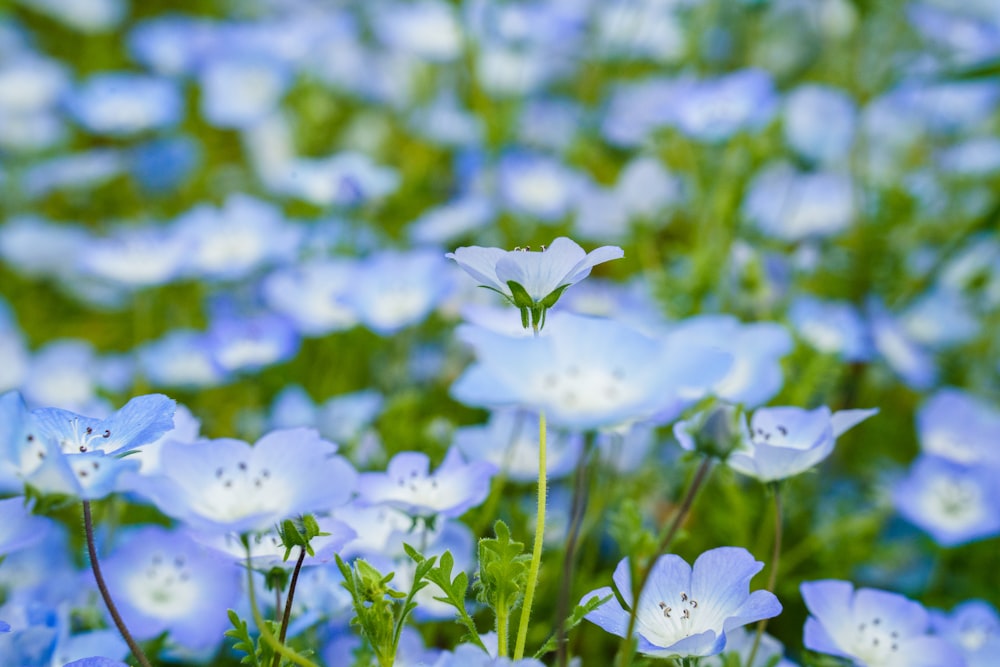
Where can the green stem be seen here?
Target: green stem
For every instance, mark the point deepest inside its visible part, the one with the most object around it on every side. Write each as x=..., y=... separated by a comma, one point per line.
x=668, y=537
x=772, y=578
x=536, y=552
x=288, y=604
x=88, y=529
x=502, y=632
x=265, y=632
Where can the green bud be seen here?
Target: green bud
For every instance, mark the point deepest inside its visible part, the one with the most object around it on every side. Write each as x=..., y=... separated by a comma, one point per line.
x=716, y=432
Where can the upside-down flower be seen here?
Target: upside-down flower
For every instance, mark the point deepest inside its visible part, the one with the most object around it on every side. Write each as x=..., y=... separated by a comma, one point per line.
x=873, y=628
x=532, y=280
x=686, y=611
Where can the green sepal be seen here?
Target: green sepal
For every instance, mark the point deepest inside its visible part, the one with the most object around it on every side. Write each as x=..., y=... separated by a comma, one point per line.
x=276, y=579
x=521, y=298
x=553, y=296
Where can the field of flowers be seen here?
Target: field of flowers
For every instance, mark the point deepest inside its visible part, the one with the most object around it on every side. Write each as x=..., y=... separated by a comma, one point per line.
x=486, y=332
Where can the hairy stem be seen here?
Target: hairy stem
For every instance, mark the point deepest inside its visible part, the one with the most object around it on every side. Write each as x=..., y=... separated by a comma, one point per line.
x=88, y=528
x=288, y=603
x=668, y=538
x=536, y=552
x=772, y=577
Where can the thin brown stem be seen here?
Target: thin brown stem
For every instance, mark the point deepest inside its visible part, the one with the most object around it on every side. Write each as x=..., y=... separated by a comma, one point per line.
x=88, y=528
x=668, y=537
x=288, y=604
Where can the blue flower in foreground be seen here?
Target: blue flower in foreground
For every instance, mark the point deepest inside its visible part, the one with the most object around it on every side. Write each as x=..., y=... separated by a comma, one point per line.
x=973, y=627
x=872, y=628
x=954, y=502
x=786, y=441
x=4, y=627
x=686, y=611
x=408, y=484
x=740, y=642
x=19, y=528
x=96, y=662
x=587, y=373
x=227, y=485
x=532, y=280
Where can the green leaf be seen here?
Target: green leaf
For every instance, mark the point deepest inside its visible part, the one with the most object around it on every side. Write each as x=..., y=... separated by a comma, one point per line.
x=575, y=618
x=503, y=569
x=244, y=643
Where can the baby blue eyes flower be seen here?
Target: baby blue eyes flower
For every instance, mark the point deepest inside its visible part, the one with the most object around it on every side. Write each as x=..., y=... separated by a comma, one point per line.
x=687, y=611
x=226, y=485
x=871, y=627
x=532, y=280
x=785, y=441
x=973, y=627
x=408, y=485
x=954, y=502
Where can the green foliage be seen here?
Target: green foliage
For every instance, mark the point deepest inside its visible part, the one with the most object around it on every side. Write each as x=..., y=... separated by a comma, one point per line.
x=627, y=528
x=244, y=643
x=455, y=591
x=381, y=611
x=575, y=618
x=503, y=570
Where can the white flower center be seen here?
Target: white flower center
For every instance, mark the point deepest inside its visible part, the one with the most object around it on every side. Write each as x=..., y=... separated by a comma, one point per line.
x=953, y=502
x=876, y=642
x=164, y=587
x=240, y=491
x=677, y=617
x=585, y=389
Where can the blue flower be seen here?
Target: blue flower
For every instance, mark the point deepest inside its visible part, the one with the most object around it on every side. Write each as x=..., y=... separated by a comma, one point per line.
x=19, y=528
x=247, y=344
x=871, y=627
x=959, y=426
x=954, y=502
x=122, y=104
x=467, y=655
x=532, y=280
x=687, y=611
x=713, y=110
x=96, y=662
x=67, y=453
x=311, y=294
x=832, y=327
x=240, y=89
x=587, y=373
x=408, y=485
x=819, y=122
x=974, y=628
x=538, y=186
x=4, y=627
x=785, y=441
x=790, y=205
x=226, y=485
x=163, y=581
x=392, y=290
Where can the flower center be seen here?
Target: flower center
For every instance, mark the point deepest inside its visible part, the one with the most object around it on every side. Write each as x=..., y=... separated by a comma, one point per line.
x=875, y=642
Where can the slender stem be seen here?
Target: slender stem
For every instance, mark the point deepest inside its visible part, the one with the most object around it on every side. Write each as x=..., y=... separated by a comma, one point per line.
x=88, y=529
x=668, y=537
x=288, y=604
x=502, y=632
x=536, y=552
x=578, y=508
x=265, y=632
x=772, y=577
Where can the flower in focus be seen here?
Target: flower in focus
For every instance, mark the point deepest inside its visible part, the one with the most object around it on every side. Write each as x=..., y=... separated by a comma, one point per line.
x=872, y=627
x=686, y=611
x=532, y=280
x=786, y=441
